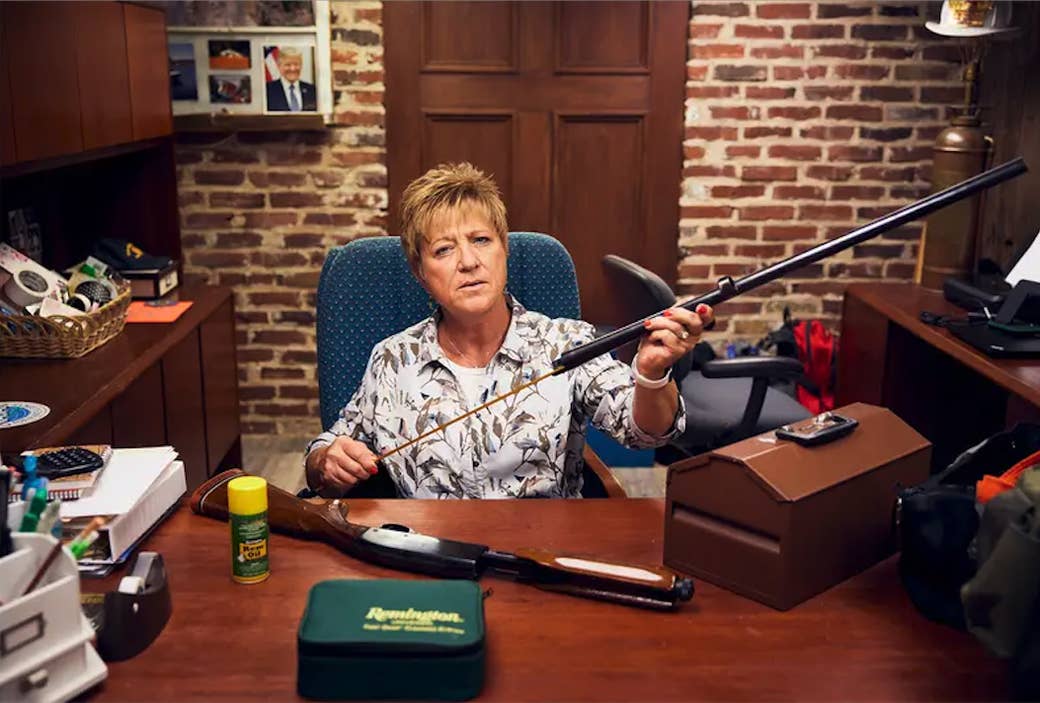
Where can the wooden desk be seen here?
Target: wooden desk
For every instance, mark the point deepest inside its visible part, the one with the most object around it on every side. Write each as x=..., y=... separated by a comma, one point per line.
x=153, y=384
x=948, y=391
x=861, y=640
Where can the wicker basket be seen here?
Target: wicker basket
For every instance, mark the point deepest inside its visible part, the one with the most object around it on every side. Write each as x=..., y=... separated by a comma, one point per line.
x=59, y=337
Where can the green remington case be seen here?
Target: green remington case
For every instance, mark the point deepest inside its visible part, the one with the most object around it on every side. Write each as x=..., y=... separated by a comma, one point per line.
x=390, y=638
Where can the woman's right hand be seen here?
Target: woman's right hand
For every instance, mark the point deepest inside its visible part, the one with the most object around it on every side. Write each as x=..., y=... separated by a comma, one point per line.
x=341, y=465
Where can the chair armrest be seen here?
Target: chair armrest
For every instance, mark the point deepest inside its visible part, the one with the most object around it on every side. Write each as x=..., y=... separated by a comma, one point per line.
x=753, y=366
x=606, y=476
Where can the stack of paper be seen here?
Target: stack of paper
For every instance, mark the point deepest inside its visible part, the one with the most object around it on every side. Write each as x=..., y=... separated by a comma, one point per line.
x=137, y=488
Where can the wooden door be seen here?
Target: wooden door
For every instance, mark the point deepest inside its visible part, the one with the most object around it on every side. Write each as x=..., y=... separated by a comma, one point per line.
x=104, y=93
x=40, y=41
x=575, y=107
x=149, y=71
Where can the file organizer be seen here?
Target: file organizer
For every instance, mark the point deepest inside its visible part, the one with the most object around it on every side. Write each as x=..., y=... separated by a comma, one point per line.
x=45, y=650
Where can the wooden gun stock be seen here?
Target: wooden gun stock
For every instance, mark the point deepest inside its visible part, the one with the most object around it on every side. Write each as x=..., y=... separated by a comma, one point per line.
x=397, y=548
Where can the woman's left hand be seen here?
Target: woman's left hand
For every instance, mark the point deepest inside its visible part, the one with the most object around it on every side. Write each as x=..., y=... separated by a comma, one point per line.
x=670, y=336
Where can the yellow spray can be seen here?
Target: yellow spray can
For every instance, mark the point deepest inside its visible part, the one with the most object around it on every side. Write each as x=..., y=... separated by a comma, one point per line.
x=247, y=508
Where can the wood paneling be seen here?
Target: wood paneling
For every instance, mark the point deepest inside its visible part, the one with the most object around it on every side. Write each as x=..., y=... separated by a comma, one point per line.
x=101, y=62
x=599, y=188
x=138, y=418
x=149, y=71
x=77, y=390
x=40, y=40
x=447, y=46
x=589, y=40
x=484, y=140
x=7, y=151
x=220, y=383
x=612, y=70
x=185, y=413
x=1010, y=95
x=97, y=431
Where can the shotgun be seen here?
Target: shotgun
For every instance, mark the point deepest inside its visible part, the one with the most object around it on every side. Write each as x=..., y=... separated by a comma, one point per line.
x=397, y=547
x=726, y=288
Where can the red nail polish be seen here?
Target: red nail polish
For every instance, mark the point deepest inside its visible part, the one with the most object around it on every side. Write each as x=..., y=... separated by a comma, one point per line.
x=373, y=471
x=646, y=323
x=667, y=313
x=701, y=309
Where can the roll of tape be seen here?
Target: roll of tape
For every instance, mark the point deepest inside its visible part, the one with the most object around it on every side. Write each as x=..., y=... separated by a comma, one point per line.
x=131, y=584
x=26, y=288
x=80, y=302
x=96, y=291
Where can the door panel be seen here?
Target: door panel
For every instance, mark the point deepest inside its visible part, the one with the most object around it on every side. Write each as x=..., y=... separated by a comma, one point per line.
x=590, y=40
x=598, y=185
x=576, y=108
x=101, y=64
x=445, y=48
x=149, y=71
x=40, y=47
x=486, y=141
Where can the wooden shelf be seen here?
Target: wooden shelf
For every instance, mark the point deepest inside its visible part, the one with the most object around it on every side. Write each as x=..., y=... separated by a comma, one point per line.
x=248, y=123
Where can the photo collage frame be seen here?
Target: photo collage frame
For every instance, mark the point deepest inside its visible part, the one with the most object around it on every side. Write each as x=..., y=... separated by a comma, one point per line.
x=252, y=70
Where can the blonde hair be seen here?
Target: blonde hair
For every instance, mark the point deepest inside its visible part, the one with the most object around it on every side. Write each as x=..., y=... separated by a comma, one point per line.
x=447, y=187
x=289, y=52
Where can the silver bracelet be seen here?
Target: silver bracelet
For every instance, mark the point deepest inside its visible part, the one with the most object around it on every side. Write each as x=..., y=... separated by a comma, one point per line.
x=650, y=383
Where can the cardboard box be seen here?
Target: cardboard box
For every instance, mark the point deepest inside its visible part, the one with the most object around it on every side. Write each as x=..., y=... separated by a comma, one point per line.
x=779, y=522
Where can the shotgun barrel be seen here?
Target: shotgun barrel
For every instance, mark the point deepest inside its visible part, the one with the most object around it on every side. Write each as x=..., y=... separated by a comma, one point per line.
x=727, y=288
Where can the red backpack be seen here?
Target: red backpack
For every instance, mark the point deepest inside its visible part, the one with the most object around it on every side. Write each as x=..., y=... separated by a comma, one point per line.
x=817, y=352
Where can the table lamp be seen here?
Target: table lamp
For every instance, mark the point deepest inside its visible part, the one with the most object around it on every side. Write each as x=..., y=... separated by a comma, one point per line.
x=963, y=149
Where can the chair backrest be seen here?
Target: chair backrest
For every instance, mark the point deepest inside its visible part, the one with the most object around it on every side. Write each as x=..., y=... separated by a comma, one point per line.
x=367, y=293
x=639, y=291
x=642, y=290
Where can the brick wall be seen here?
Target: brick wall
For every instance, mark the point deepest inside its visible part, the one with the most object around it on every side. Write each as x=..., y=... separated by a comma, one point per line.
x=260, y=209
x=802, y=121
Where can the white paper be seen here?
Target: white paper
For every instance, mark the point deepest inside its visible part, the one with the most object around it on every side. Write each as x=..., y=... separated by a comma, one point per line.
x=128, y=475
x=1028, y=267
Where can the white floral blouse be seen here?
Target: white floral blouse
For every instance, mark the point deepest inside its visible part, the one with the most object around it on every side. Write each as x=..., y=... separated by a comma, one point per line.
x=529, y=445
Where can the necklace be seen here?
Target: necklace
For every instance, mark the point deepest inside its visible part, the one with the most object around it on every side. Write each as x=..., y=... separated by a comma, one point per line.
x=459, y=352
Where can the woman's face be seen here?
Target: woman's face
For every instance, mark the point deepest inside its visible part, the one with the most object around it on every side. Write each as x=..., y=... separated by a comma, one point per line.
x=462, y=262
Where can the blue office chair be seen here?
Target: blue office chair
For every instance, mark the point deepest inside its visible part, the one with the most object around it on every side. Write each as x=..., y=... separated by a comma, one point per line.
x=726, y=399
x=367, y=293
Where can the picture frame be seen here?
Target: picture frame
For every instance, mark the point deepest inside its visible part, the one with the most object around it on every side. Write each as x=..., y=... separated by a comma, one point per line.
x=235, y=69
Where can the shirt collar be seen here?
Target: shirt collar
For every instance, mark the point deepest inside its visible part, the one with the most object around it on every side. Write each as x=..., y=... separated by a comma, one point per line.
x=513, y=346
x=286, y=84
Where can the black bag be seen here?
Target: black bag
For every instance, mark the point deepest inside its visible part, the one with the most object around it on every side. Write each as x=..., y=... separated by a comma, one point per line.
x=937, y=521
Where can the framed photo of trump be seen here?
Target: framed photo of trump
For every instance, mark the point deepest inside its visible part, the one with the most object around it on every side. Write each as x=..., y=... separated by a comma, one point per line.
x=289, y=78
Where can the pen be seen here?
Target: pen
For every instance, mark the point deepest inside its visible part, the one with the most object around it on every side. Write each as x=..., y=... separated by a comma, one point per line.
x=78, y=548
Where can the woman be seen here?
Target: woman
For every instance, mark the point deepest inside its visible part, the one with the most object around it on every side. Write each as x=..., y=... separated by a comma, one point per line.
x=481, y=343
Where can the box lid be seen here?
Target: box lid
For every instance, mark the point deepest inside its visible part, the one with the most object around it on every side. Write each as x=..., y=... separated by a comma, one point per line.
x=392, y=617
x=791, y=472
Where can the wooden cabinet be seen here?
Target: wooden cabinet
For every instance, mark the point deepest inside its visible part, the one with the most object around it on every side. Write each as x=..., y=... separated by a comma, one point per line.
x=103, y=74
x=149, y=71
x=7, y=155
x=80, y=76
x=40, y=41
x=153, y=384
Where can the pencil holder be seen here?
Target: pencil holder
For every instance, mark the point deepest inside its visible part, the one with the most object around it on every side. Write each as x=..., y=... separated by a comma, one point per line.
x=45, y=650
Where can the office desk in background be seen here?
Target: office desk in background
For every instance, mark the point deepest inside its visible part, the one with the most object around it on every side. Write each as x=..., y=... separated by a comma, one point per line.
x=152, y=384
x=951, y=393
x=861, y=640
